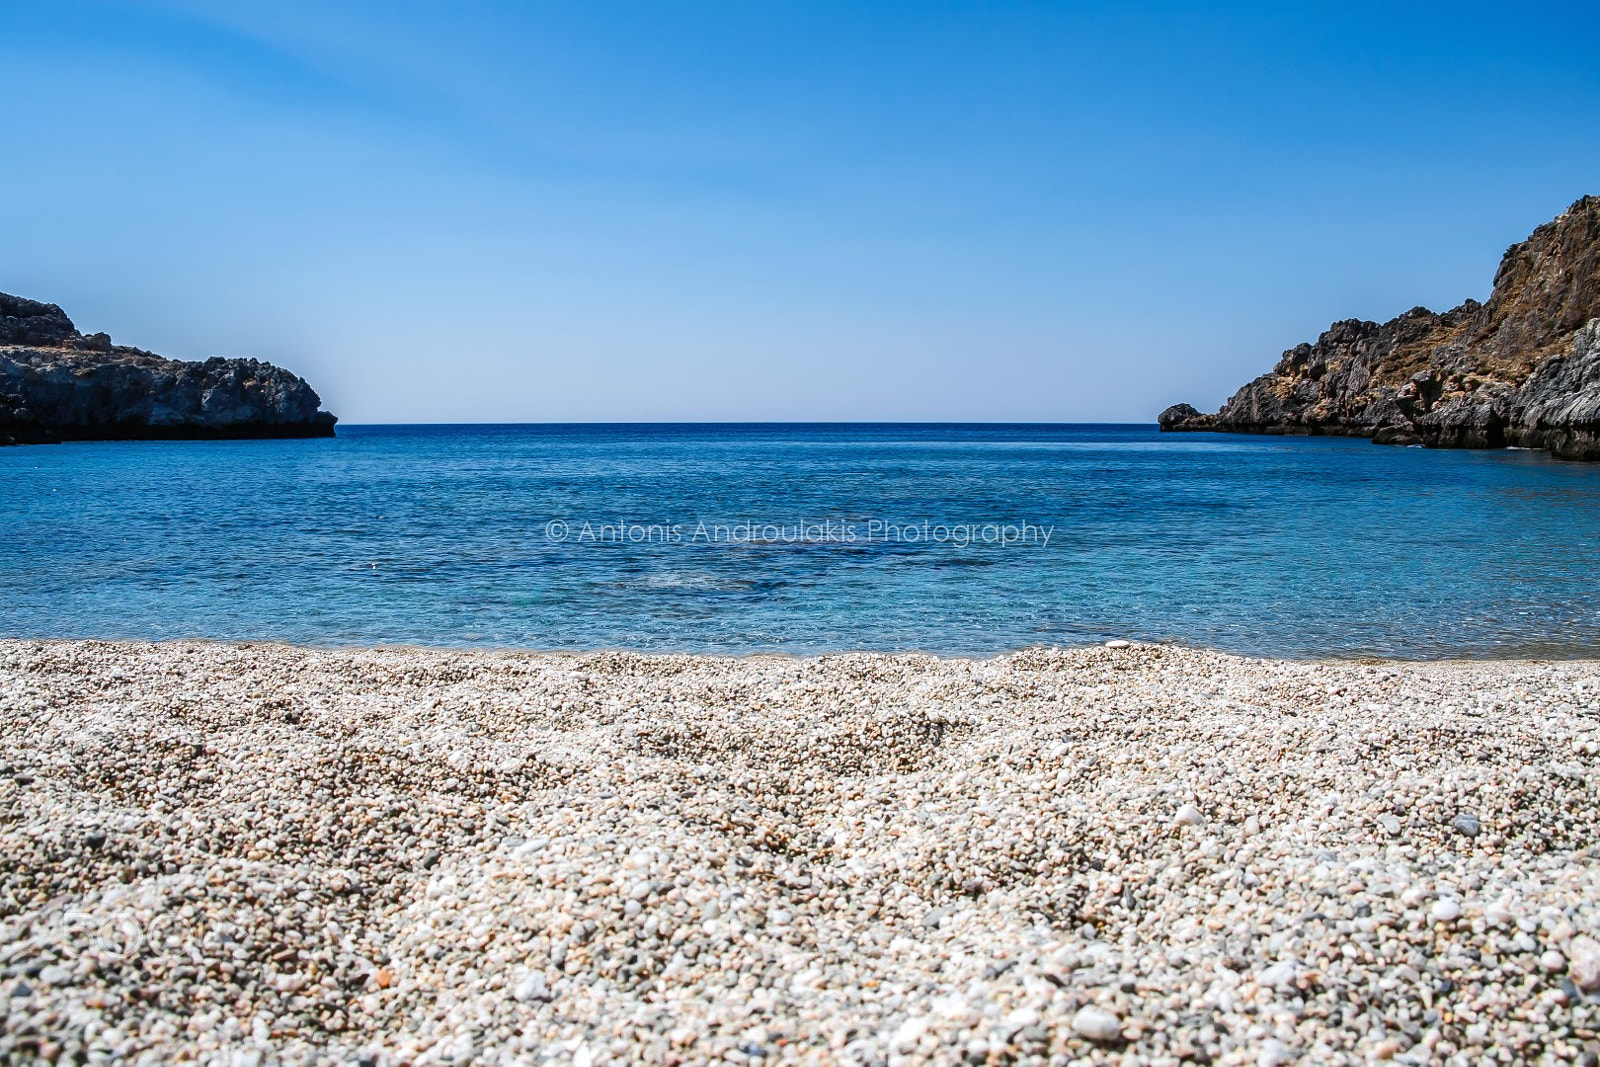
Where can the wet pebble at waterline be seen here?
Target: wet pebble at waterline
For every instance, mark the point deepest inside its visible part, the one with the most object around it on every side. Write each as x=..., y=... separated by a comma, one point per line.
x=407, y=856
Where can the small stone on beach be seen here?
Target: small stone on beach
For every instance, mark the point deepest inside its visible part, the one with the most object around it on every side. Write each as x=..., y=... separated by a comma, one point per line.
x=1098, y=1025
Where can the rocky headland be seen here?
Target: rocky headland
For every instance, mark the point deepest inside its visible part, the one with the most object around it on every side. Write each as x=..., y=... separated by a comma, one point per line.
x=57, y=384
x=1521, y=369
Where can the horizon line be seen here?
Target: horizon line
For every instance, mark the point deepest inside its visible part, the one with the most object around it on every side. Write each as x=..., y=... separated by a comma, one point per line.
x=755, y=422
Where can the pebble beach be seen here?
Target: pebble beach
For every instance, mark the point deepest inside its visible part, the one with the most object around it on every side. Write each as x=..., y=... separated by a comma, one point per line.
x=244, y=854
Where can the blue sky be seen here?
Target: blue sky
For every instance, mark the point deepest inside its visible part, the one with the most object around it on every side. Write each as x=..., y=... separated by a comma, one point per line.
x=660, y=211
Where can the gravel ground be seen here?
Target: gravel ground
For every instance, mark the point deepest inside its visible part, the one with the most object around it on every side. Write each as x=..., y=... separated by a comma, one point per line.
x=1153, y=855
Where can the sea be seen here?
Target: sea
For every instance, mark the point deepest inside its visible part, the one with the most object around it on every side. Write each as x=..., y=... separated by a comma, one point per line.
x=965, y=540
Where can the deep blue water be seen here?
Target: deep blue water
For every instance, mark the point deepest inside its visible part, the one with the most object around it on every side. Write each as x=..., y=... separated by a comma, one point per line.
x=442, y=536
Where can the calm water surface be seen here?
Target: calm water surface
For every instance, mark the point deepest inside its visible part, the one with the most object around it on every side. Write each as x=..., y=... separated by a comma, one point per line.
x=443, y=536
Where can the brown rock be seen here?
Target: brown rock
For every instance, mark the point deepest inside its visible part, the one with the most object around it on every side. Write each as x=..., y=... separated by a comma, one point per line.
x=1514, y=370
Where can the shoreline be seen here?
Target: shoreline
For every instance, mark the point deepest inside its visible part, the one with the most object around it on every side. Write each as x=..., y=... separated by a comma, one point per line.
x=1553, y=657
x=419, y=855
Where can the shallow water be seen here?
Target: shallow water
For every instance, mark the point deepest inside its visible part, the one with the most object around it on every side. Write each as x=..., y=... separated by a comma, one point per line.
x=443, y=536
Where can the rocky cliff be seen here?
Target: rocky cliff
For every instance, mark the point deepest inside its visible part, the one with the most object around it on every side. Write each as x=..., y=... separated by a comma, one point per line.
x=1521, y=369
x=58, y=384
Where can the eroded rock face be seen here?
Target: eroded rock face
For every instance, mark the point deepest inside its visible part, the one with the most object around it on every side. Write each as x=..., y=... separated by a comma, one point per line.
x=1558, y=407
x=1514, y=370
x=58, y=384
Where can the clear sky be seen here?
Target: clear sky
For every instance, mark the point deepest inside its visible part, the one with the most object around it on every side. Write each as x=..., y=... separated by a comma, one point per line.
x=595, y=211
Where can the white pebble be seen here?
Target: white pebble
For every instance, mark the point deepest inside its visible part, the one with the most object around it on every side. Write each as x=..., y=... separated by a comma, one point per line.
x=1280, y=975
x=1097, y=1024
x=1583, y=962
x=909, y=1034
x=1273, y=1053
x=533, y=987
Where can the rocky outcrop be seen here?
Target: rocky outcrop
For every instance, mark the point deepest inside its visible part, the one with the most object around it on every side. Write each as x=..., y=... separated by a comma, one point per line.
x=1558, y=407
x=1177, y=415
x=58, y=384
x=1521, y=369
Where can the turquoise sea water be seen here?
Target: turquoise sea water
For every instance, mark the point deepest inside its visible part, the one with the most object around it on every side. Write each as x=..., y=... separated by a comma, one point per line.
x=738, y=539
